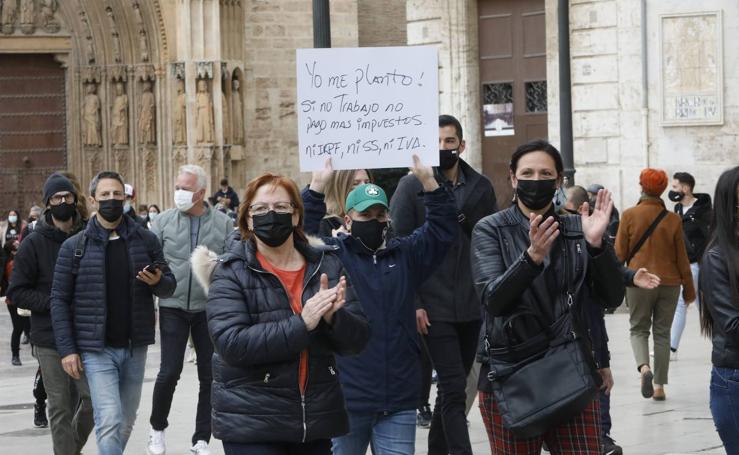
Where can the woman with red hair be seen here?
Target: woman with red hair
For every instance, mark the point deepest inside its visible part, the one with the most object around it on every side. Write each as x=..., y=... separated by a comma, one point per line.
x=651, y=237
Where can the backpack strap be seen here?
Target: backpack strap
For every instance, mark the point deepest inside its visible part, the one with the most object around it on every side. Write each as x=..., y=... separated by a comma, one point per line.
x=79, y=251
x=645, y=236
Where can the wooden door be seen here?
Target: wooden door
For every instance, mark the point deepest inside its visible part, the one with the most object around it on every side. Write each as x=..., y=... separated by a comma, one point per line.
x=513, y=80
x=32, y=128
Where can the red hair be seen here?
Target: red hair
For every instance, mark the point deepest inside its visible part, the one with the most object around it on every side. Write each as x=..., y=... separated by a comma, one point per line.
x=653, y=181
x=276, y=181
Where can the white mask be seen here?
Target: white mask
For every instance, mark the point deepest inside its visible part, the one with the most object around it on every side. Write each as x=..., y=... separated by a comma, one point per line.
x=183, y=200
x=12, y=219
x=153, y=215
x=126, y=207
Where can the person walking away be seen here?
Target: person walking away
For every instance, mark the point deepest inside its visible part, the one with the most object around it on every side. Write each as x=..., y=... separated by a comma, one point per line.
x=448, y=311
x=69, y=404
x=19, y=323
x=719, y=310
x=382, y=400
x=278, y=310
x=180, y=230
x=651, y=237
x=695, y=211
x=102, y=309
x=535, y=271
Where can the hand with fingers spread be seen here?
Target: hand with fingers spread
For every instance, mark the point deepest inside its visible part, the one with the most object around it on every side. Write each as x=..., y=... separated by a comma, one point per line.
x=321, y=178
x=319, y=304
x=542, y=234
x=645, y=280
x=340, y=299
x=594, y=225
x=424, y=174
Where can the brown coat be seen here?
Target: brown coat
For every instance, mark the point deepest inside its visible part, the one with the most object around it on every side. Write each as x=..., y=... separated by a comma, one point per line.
x=664, y=252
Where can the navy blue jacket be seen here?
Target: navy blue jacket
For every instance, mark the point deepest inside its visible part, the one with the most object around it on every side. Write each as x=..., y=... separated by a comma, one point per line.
x=78, y=302
x=386, y=376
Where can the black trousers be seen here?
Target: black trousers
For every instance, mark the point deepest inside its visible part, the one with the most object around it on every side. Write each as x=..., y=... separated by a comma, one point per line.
x=175, y=326
x=427, y=371
x=39, y=391
x=20, y=325
x=452, y=346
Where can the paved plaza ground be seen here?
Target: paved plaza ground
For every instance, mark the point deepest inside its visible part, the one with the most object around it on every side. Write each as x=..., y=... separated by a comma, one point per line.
x=680, y=425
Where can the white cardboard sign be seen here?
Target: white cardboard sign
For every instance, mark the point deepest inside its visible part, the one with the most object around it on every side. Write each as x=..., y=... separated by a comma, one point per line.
x=367, y=108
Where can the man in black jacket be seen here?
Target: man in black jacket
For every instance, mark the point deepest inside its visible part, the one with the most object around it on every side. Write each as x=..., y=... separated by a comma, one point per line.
x=102, y=309
x=695, y=210
x=30, y=288
x=448, y=310
x=227, y=196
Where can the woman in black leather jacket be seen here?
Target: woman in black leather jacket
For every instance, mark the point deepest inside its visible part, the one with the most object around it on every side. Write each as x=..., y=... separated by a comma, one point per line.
x=528, y=259
x=719, y=288
x=278, y=310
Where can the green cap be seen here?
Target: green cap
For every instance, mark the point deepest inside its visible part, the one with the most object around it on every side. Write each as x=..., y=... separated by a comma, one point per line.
x=365, y=196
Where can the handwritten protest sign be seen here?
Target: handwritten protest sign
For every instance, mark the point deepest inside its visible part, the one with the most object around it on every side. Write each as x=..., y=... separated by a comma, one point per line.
x=367, y=108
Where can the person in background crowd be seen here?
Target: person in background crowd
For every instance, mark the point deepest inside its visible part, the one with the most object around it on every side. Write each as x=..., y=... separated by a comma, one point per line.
x=129, y=206
x=719, y=309
x=520, y=266
x=33, y=215
x=70, y=407
x=448, y=311
x=21, y=324
x=382, y=400
x=82, y=202
x=180, y=230
x=278, y=311
x=227, y=192
x=613, y=224
x=152, y=213
x=11, y=229
x=661, y=250
x=695, y=211
x=143, y=211
x=102, y=308
x=337, y=188
x=576, y=198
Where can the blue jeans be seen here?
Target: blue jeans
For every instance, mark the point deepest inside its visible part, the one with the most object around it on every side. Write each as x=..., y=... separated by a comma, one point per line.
x=678, y=323
x=115, y=376
x=392, y=434
x=725, y=406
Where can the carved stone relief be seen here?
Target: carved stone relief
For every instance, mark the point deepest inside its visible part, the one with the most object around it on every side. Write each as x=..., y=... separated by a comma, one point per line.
x=237, y=116
x=204, y=114
x=28, y=16
x=9, y=16
x=91, y=124
x=147, y=132
x=119, y=116
x=180, y=114
x=114, y=34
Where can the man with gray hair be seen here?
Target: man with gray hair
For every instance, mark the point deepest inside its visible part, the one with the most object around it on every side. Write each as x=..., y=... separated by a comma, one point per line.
x=180, y=230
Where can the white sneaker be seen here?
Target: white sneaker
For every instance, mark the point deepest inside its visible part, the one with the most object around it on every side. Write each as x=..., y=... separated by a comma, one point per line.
x=191, y=356
x=200, y=448
x=673, y=356
x=156, y=445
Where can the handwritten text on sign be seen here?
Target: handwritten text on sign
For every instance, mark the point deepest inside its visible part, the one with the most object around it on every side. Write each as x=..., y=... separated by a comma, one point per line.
x=367, y=108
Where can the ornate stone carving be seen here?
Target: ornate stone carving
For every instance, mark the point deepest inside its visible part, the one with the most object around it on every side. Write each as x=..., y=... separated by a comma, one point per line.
x=91, y=125
x=204, y=70
x=203, y=155
x=120, y=156
x=226, y=119
x=9, y=16
x=48, y=13
x=28, y=16
x=237, y=116
x=89, y=47
x=115, y=35
x=147, y=132
x=178, y=70
x=95, y=162
x=180, y=115
x=179, y=156
x=204, y=114
x=119, y=116
x=90, y=74
x=143, y=46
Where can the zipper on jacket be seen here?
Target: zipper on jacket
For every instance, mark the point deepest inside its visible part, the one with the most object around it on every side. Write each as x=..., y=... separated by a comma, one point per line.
x=189, y=278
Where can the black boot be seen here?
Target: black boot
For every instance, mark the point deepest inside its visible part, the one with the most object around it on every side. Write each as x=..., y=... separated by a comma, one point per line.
x=39, y=416
x=423, y=418
x=610, y=447
x=16, y=361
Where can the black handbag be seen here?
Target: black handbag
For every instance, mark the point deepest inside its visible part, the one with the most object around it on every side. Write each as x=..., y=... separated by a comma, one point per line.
x=546, y=380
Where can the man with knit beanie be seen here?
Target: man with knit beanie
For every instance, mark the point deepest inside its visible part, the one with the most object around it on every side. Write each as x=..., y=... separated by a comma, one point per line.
x=651, y=237
x=30, y=288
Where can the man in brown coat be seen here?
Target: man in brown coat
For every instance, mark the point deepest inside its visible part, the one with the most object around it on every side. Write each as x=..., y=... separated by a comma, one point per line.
x=662, y=253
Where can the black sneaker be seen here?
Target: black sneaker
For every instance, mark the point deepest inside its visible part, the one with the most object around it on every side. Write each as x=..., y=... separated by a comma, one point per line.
x=610, y=447
x=16, y=361
x=423, y=418
x=25, y=340
x=39, y=416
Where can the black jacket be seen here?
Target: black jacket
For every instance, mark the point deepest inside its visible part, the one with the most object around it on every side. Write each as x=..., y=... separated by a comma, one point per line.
x=448, y=295
x=33, y=273
x=696, y=225
x=231, y=195
x=509, y=282
x=78, y=302
x=258, y=340
x=724, y=310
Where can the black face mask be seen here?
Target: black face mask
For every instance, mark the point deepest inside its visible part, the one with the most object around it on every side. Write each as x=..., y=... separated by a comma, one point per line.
x=371, y=233
x=63, y=211
x=674, y=196
x=536, y=194
x=448, y=158
x=273, y=228
x=110, y=209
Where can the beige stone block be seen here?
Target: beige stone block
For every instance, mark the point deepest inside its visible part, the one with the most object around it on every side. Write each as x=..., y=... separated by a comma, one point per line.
x=423, y=9
x=595, y=69
x=595, y=124
x=594, y=42
x=593, y=15
x=426, y=31
x=591, y=97
x=592, y=150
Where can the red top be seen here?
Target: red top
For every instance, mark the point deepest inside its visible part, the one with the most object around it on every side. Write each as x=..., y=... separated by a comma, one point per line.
x=292, y=280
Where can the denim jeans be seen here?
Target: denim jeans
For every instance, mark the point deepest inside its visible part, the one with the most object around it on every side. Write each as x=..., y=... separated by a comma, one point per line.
x=678, y=323
x=115, y=376
x=725, y=406
x=175, y=326
x=392, y=434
